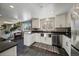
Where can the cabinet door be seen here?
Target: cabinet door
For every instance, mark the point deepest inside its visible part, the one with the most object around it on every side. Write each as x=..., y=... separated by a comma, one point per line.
x=67, y=44
x=68, y=20
x=35, y=23
x=28, y=39
x=47, y=24
x=43, y=24
x=37, y=37
x=50, y=25
x=60, y=21
x=48, y=41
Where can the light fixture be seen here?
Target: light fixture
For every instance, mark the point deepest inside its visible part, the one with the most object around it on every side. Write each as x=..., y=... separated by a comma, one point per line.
x=11, y=6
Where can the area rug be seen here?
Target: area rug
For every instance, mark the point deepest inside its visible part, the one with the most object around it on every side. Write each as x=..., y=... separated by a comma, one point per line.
x=47, y=47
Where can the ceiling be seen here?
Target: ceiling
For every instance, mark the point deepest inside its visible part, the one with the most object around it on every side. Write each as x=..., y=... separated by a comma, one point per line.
x=25, y=11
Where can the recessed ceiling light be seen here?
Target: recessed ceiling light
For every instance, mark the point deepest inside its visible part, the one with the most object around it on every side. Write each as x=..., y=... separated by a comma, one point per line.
x=11, y=6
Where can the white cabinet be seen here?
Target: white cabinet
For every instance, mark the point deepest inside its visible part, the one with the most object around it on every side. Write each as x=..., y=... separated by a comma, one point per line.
x=35, y=23
x=44, y=39
x=47, y=24
x=43, y=24
x=67, y=44
x=28, y=39
x=37, y=37
x=49, y=40
x=68, y=20
x=63, y=20
x=60, y=21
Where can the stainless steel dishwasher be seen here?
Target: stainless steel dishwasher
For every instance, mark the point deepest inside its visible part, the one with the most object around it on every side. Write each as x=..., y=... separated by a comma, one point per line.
x=56, y=40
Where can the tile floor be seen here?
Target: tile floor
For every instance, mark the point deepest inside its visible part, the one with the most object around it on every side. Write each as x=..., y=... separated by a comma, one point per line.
x=36, y=51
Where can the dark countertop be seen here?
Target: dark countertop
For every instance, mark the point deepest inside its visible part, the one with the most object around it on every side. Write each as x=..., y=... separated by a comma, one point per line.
x=5, y=45
x=58, y=31
x=48, y=31
x=68, y=34
x=1, y=39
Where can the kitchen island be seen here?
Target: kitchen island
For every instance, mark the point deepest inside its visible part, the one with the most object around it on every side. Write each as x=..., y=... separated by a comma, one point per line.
x=8, y=48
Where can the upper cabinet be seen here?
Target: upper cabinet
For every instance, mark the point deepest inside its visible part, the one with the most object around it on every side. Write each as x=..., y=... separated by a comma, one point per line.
x=43, y=24
x=35, y=23
x=63, y=20
x=68, y=20
x=50, y=23
x=47, y=24
x=60, y=21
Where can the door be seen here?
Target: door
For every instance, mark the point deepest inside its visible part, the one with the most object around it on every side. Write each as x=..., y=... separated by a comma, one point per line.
x=56, y=40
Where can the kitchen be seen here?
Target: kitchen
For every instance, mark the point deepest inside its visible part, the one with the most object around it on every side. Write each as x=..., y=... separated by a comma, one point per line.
x=39, y=25
x=52, y=36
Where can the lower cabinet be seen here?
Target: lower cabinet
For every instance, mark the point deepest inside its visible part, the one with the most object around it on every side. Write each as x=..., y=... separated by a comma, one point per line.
x=48, y=41
x=28, y=39
x=67, y=44
x=37, y=37
x=43, y=38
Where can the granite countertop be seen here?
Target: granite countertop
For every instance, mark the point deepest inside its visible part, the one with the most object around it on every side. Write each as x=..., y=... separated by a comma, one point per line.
x=68, y=34
x=1, y=39
x=5, y=45
x=60, y=31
